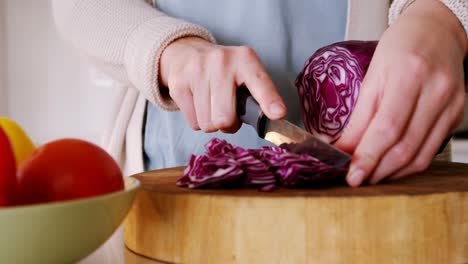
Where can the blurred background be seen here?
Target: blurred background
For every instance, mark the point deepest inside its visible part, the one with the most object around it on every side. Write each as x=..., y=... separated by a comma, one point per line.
x=44, y=84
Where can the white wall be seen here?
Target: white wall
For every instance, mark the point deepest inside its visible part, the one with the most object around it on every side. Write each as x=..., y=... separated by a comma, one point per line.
x=51, y=90
x=3, y=95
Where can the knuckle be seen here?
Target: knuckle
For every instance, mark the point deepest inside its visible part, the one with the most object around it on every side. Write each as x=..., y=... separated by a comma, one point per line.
x=420, y=164
x=402, y=153
x=210, y=129
x=367, y=160
x=389, y=129
x=446, y=80
x=223, y=122
x=444, y=88
x=207, y=127
x=219, y=57
x=195, y=67
x=246, y=52
x=442, y=94
x=232, y=129
x=194, y=125
x=177, y=91
x=261, y=75
x=419, y=64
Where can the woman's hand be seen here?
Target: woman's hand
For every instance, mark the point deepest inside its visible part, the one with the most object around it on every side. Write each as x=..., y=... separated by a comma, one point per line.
x=412, y=97
x=202, y=79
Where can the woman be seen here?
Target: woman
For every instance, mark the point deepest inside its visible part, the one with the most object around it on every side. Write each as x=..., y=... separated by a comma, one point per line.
x=412, y=96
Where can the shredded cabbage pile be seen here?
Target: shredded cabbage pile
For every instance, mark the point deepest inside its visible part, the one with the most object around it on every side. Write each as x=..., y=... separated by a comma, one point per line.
x=228, y=166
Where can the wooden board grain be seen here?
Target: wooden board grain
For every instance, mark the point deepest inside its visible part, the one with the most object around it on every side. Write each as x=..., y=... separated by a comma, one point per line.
x=418, y=219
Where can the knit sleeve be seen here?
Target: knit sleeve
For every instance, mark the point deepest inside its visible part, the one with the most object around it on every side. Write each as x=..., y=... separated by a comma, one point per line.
x=125, y=39
x=458, y=7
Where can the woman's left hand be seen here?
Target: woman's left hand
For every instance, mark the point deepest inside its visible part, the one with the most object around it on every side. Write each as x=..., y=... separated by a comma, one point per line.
x=412, y=97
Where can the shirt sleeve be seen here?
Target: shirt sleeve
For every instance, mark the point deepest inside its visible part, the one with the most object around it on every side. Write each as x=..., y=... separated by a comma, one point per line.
x=125, y=39
x=458, y=7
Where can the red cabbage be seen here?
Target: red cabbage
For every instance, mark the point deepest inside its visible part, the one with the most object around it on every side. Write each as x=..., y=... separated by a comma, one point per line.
x=329, y=85
x=227, y=166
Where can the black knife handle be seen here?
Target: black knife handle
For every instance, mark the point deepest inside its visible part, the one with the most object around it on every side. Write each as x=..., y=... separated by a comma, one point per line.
x=249, y=111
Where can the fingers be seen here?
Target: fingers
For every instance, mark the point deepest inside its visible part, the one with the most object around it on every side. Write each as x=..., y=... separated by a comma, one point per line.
x=223, y=101
x=385, y=128
x=201, y=98
x=208, y=76
x=252, y=73
x=404, y=151
x=420, y=125
x=447, y=122
x=428, y=151
x=182, y=95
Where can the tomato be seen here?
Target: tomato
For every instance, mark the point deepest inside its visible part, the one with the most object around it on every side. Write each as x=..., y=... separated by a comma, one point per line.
x=67, y=169
x=7, y=171
x=21, y=143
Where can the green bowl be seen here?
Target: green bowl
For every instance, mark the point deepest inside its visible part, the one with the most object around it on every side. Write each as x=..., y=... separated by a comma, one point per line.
x=62, y=232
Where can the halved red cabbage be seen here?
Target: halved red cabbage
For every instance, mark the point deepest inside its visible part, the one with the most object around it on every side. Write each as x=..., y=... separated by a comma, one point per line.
x=227, y=166
x=329, y=86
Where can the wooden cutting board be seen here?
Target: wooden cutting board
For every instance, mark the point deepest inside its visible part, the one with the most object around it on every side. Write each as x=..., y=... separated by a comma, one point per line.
x=418, y=219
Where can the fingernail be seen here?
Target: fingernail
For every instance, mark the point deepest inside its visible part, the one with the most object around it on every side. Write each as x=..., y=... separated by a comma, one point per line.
x=355, y=176
x=277, y=109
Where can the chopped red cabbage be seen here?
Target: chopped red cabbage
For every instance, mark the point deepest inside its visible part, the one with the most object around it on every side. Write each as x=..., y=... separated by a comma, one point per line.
x=227, y=166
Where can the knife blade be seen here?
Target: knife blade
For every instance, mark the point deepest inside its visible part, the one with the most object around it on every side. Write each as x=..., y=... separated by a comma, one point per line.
x=282, y=131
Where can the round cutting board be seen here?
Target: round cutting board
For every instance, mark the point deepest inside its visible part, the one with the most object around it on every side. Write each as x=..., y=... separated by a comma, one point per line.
x=418, y=219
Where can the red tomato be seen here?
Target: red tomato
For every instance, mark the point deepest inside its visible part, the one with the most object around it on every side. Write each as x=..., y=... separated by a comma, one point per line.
x=67, y=169
x=7, y=171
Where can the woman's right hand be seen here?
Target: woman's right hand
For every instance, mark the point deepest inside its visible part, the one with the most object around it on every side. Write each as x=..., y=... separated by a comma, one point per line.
x=202, y=79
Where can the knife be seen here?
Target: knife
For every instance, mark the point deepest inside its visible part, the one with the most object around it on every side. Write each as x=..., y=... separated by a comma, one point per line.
x=282, y=131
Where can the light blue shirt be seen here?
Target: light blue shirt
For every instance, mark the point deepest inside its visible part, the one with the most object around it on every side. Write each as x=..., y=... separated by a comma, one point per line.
x=283, y=34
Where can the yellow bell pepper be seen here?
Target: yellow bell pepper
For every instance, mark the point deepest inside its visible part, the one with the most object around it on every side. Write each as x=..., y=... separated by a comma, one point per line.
x=22, y=144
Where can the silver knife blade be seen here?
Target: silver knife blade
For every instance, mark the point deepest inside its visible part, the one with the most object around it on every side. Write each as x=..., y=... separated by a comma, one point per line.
x=282, y=131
